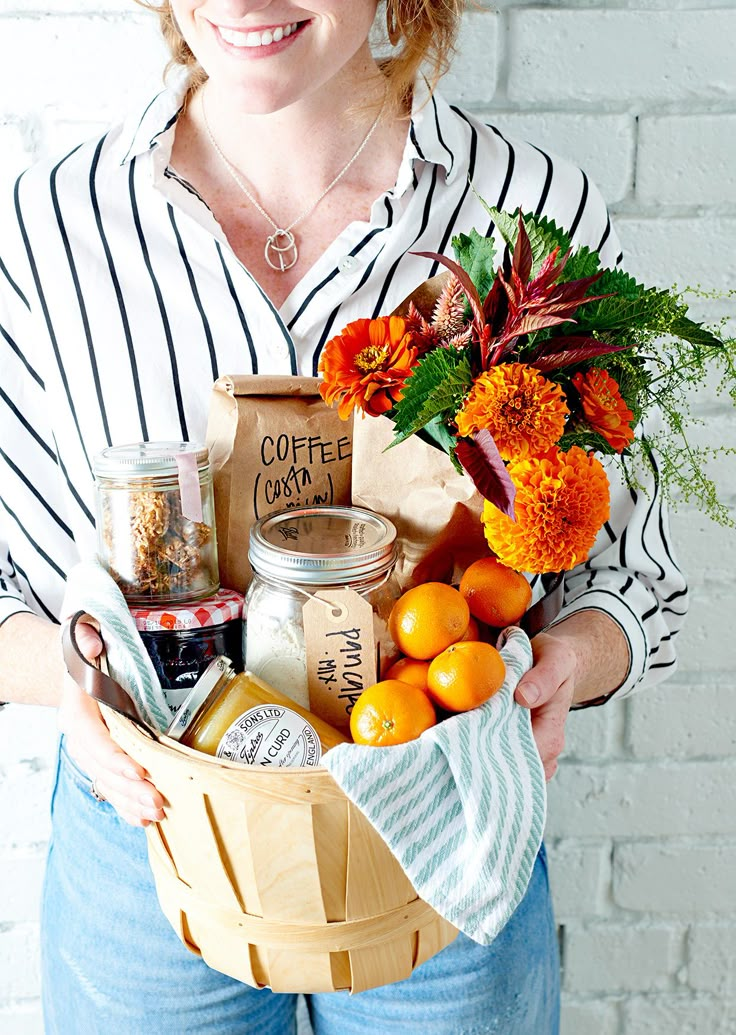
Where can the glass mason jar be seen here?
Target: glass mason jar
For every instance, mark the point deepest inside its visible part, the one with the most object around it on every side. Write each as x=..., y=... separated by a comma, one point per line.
x=239, y=718
x=156, y=521
x=295, y=553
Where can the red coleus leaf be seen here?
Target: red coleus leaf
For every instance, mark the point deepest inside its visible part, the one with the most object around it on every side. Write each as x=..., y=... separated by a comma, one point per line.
x=468, y=287
x=549, y=355
x=523, y=258
x=481, y=459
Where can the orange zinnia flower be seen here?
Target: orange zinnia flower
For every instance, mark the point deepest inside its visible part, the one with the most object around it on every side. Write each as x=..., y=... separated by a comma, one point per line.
x=523, y=411
x=604, y=409
x=366, y=365
x=562, y=502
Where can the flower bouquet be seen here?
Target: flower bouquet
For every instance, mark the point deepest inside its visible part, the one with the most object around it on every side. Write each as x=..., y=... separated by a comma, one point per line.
x=527, y=372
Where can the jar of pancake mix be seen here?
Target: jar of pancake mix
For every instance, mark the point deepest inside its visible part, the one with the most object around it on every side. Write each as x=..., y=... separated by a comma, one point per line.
x=182, y=639
x=156, y=521
x=317, y=608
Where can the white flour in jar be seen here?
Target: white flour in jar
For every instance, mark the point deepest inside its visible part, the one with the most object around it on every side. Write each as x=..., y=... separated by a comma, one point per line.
x=274, y=642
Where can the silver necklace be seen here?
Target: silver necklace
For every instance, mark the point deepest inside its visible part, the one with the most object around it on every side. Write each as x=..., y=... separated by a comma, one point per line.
x=281, y=252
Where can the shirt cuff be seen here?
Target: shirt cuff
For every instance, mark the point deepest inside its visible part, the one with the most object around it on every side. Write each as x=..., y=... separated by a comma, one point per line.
x=613, y=605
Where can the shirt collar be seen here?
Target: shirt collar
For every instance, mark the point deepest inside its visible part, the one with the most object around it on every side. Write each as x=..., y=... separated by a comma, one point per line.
x=435, y=134
x=153, y=126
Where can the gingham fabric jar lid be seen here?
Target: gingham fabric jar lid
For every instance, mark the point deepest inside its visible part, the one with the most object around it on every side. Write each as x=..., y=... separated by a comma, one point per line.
x=223, y=606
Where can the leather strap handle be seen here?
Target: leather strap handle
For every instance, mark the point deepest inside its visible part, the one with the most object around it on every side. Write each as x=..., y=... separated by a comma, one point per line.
x=93, y=680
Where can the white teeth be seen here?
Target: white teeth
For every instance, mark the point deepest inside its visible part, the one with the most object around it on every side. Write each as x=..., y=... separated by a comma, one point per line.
x=257, y=39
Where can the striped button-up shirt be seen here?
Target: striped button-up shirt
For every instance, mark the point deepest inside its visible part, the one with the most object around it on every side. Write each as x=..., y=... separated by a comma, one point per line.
x=121, y=302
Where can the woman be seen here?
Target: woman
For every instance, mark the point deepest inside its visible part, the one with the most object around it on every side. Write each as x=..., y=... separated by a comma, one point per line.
x=244, y=217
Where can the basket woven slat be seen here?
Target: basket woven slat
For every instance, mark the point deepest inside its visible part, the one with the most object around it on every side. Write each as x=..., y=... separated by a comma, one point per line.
x=291, y=971
x=285, y=861
x=376, y=883
x=431, y=938
x=331, y=845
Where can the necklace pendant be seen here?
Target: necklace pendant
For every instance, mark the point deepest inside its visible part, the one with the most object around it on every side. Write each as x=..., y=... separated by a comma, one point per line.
x=281, y=251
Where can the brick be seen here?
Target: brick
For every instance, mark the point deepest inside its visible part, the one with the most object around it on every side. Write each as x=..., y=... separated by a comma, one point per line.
x=477, y=47
x=15, y=155
x=21, y=879
x=706, y=641
x=689, y=879
x=614, y=56
x=629, y=799
x=707, y=552
x=602, y=145
x=27, y=1020
x=27, y=732
x=20, y=972
x=712, y=959
x=699, y=1015
x=683, y=251
x=84, y=60
x=609, y=958
x=579, y=876
x=586, y=1018
x=680, y=721
x=682, y=160
x=589, y=733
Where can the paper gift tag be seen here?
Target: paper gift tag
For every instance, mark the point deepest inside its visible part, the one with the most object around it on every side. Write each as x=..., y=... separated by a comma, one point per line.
x=341, y=652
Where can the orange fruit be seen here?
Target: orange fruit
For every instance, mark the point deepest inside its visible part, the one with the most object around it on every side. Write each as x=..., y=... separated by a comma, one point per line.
x=496, y=595
x=427, y=619
x=465, y=675
x=391, y=712
x=409, y=670
x=473, y=630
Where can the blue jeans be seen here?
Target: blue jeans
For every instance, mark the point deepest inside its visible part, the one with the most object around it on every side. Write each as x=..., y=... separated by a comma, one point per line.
x=112, y=964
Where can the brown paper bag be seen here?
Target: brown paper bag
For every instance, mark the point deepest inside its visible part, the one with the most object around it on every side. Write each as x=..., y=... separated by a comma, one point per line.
x=436, y=510
x=273, y=444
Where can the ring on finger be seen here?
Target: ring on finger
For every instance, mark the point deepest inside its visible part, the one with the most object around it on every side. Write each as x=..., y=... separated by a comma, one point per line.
x=96, y=793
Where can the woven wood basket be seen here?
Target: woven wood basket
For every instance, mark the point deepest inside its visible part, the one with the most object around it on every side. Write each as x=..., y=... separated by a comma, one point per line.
x=275, y=878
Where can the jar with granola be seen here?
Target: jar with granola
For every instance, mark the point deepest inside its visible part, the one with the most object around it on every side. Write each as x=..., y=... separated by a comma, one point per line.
x=156, y=520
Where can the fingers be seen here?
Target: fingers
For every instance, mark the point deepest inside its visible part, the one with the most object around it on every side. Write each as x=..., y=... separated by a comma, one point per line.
x=548, y=728
x=88, y=640
x=117, y=777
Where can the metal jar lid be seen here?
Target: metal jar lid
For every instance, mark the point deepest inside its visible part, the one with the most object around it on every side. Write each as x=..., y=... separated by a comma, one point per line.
x=147, y=459
x=322, y=545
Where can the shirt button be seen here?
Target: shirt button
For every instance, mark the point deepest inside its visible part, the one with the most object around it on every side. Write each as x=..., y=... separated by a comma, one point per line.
x=347, y=263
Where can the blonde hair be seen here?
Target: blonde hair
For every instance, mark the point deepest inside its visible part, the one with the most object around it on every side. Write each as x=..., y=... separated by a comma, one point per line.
x=421, y=32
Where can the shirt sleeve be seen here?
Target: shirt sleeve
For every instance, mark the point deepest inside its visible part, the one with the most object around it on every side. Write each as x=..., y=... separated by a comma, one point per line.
x=631, y=573
x=21, y=401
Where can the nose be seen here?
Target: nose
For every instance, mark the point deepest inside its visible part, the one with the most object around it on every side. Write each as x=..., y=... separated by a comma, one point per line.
x=233, y=11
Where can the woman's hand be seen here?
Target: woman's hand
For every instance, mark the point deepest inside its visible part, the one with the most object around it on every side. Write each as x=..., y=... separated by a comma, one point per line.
x=583, y=657
x=548, y=689
x=116, y=776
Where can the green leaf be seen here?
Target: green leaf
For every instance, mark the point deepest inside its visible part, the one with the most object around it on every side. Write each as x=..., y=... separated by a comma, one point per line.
x=544, y=237
x=477, y=256
x=437, y=383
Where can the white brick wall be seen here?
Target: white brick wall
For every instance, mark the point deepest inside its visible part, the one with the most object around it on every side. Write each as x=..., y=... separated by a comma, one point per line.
x=642, y=827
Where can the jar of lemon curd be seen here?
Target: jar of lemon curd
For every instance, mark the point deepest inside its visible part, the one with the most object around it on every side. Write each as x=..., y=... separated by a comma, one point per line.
x=238, y=717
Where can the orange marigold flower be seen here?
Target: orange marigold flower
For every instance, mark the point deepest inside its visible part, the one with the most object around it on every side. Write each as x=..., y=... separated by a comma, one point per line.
x=604, y=409
x=366, y=365
x=562, y=502
x=523, y=411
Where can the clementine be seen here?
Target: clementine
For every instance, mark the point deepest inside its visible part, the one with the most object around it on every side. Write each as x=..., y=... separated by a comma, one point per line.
x=391, y=712
x=465, y=675
x=409, y=670
x=473, y=630
x=495, y=594
x=427, y=619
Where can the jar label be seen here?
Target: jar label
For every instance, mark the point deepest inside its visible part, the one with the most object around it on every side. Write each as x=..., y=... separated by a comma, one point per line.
x=270, y=735
x=341, y=652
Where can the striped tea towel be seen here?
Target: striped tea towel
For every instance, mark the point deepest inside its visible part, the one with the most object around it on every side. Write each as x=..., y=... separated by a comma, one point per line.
x=89, y=588
x=463, y=807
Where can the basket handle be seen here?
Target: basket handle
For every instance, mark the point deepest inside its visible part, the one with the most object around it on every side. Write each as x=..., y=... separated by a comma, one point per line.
x=92, y=679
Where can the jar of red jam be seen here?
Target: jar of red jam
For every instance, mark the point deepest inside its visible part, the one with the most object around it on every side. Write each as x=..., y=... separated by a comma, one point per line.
x=182, y=639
